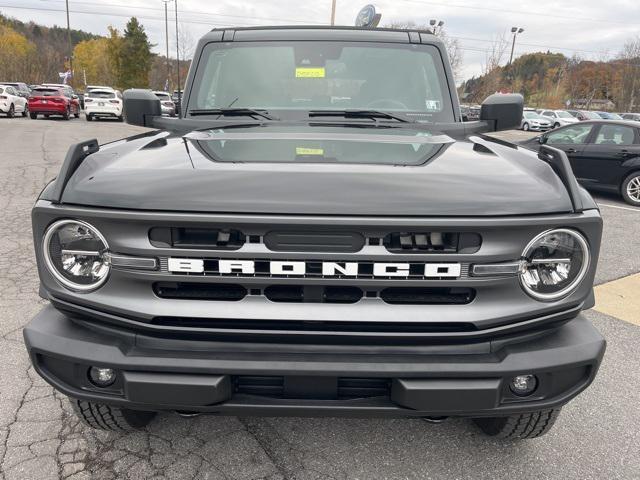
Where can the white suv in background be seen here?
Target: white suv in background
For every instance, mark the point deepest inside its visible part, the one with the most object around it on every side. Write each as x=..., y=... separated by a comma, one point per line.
x=166, y=103
x=11, y=102
x=559, y=118
x=103, y=103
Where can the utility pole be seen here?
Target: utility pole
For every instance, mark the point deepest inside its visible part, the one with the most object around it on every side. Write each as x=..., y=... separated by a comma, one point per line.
x=333, y=12
x=69, y=40
x=515, y=31
x=178, y=54
x=166, y=31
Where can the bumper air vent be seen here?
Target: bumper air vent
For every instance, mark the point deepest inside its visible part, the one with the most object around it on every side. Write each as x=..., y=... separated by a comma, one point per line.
x=312, y=294
x=196, y=238
x=427, y=296
x=344, y=388
x=432, y=242
x=200, y=291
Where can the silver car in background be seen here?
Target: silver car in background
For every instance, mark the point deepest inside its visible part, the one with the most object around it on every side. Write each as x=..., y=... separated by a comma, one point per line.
x=559, y=118
x=534, y=121
x=166, y=103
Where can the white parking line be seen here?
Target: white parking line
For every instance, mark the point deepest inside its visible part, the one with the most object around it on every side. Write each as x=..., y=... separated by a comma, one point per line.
x=631, y=209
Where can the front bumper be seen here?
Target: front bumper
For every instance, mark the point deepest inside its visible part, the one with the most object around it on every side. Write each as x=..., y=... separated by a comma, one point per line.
x=164, y=372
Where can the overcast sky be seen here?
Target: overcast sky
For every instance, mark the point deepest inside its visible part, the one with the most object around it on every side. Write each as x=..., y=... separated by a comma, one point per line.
x=594, y=29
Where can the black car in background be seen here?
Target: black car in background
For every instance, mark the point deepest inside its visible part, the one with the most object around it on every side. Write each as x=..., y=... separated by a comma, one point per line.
x=604, y=154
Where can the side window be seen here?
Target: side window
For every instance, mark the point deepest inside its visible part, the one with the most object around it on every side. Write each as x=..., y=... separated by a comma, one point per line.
x=573, y=135
x=615, y=135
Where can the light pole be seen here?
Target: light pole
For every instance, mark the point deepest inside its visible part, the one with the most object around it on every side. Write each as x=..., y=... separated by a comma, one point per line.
x=435, y=24
x=166, y=31
x=333, y=12
x=178, y=53
x=69, y=40
x=515, y=31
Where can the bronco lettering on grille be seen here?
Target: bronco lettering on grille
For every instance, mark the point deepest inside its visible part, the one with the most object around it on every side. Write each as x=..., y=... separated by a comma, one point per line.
x=309, y=268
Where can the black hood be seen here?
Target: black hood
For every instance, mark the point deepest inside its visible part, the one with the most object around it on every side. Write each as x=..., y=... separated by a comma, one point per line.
x=475, y=177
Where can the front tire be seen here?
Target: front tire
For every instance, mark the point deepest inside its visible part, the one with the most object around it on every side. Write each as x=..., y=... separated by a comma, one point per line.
x=630, y=189
x=107, y=417
x=525, y=127
x=25, y=111
x=12, y=111
x=556, y=125
x=88, y=118
x=33, y=115
x=66, y=114
x=517, y=427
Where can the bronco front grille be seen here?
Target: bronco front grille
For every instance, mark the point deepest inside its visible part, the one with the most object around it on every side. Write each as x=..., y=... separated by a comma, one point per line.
x=315, y=293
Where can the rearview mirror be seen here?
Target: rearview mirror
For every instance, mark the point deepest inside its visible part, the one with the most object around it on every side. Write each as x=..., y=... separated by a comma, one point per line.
x=140, y=106
x=503, y=111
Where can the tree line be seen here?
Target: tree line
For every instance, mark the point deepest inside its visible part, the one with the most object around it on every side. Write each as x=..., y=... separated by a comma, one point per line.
x=35, y=54
x=553, y=80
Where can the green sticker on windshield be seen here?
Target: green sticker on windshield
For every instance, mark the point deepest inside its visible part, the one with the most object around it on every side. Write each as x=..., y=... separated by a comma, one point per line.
x=306, y=72
x=309, y=151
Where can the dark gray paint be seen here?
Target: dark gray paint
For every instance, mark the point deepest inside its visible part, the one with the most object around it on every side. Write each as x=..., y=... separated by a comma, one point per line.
x=179, y=177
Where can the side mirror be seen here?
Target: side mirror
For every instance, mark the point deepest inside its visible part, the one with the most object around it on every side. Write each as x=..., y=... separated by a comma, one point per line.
x=542, y=139
x=74, y=96
x=503, y=111
x=140, y=106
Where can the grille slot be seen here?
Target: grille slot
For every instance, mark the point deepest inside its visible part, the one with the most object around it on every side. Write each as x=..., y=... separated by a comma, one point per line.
x=196, y=238
x=427, y=295
x=314, y=242
x=299, y=326
x=432, y=242
x=200, y=291
x=312, y=294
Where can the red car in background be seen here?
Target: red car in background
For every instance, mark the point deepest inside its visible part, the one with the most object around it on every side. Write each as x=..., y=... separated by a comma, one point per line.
x=53, y=101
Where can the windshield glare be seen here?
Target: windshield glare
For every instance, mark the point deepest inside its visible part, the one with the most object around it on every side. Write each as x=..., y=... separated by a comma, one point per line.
x=323, y=76
x=563, y=114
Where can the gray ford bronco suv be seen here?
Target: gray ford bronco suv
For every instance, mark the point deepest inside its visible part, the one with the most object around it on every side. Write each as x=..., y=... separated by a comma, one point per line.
x=317, y=234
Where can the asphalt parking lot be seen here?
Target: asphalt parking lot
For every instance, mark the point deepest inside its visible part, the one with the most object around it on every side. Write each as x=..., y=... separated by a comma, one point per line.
x=596, y=437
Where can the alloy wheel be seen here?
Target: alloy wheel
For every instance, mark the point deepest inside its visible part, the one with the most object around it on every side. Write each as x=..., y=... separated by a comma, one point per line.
x=633, y=189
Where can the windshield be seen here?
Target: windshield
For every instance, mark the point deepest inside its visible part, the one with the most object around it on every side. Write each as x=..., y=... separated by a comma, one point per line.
x=563, y=114
x=532, y=116
x=591, y=115
x=96, y=94
x=319, y=75
x=286, y=144
x=46, y=92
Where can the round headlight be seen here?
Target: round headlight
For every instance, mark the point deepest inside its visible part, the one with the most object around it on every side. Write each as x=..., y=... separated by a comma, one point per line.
x=554, y=264
x=75, y=254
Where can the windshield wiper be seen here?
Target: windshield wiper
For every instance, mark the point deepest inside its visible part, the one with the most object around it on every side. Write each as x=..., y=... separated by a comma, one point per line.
x=373, y=114
x=234, y=112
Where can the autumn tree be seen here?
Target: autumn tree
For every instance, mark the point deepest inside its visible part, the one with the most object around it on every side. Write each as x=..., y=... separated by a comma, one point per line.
x=16, y=54
x=92, y=62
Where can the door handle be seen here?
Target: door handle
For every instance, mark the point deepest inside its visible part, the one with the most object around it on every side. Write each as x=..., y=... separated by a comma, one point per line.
x=571, y=150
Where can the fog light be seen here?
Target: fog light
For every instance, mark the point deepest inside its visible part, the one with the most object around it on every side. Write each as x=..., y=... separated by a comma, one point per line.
x=102, y=377
x=523, y=385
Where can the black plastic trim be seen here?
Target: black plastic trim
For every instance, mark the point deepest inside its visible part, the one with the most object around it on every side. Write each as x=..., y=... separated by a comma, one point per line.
x=75, y=156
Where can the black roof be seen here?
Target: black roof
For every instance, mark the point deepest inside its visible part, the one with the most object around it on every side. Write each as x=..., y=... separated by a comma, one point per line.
x=320, y=32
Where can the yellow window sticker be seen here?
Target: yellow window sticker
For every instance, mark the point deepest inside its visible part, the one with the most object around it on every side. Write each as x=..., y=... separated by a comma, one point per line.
x=309, y=151
x=306, y=72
